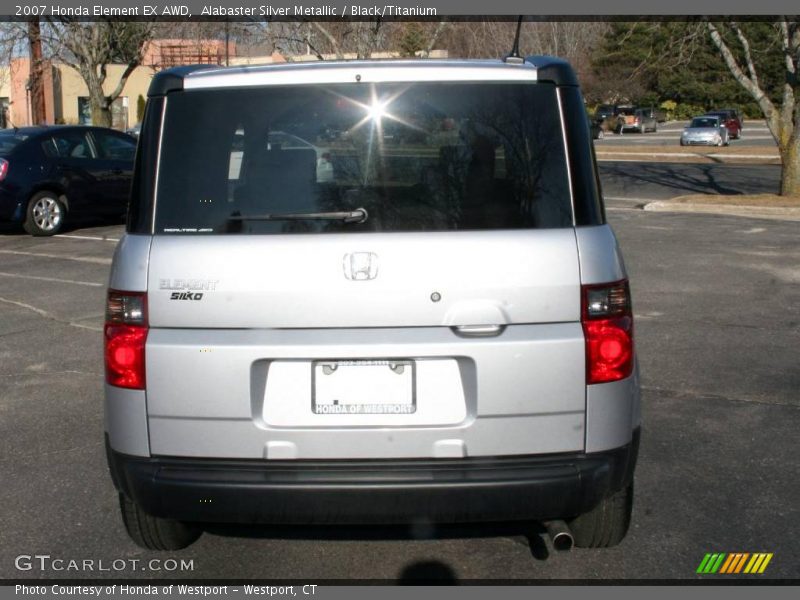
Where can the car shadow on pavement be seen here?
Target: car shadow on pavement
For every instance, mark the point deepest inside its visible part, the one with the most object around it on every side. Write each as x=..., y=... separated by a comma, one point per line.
x=427, y=571
x=530, y=535
x=687, y=178
x=15, y=229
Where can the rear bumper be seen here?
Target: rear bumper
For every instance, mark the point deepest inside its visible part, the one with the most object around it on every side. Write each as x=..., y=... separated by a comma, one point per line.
x=11, y=208
x=691, y=142
x=377, y=491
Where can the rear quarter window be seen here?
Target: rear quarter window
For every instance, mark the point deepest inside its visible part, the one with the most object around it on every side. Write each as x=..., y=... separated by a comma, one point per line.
x=9, y=142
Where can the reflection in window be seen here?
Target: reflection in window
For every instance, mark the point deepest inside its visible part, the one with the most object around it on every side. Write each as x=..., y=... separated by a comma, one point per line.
x=428, y=156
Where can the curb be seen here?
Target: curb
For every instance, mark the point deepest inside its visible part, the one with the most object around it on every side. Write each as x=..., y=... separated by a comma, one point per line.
x=686, y=157
x=782, y=213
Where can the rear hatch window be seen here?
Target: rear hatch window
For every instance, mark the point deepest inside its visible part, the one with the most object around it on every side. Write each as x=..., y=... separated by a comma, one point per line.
x=409, y=157
x=9, y=141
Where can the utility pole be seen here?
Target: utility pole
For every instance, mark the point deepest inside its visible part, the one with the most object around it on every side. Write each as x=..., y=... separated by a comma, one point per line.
x=36, y=82
x=227, y=41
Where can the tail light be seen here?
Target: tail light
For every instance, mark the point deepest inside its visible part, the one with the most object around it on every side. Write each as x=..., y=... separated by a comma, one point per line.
x=125, y=335
x=608, y=329
x=3, y=168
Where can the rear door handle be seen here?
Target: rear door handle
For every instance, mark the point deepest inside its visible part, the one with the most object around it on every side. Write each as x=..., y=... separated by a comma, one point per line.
x=479, y=330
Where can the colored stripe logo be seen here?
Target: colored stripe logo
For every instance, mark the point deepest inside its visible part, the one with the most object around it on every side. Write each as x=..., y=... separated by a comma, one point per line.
x=734, y=563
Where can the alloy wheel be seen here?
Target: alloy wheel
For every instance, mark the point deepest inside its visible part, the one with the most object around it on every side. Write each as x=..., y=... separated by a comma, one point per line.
x=47, y=213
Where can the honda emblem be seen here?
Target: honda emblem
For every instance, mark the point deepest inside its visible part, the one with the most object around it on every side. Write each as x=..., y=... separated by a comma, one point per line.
x=360, y=266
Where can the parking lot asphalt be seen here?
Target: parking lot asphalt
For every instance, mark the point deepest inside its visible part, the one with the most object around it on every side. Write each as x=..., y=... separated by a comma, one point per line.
x=717, y=305
x=635, y=183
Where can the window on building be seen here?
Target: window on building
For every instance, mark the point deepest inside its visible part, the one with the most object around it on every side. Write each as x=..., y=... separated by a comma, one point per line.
x=84, y=111
x=4, y=112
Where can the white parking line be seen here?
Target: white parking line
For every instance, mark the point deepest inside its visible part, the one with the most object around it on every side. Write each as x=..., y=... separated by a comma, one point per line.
x=87, y=237
x=86, y=259
x=629, y=199
x=38, y=311
x=686, y=154
x=48, y=315
x=86, y=283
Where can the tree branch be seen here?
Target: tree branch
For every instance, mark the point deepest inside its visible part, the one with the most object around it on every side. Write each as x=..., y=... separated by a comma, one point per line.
x=748, y=57
x=434, y=38
x=332, y=40
x=122, y=81
x=748, y=84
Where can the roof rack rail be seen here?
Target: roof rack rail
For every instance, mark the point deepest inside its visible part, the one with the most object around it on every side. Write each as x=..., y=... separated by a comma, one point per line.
x=553, y=69
x=171, y=80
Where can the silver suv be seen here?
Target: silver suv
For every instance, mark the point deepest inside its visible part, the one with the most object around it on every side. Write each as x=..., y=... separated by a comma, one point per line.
x=417, y=314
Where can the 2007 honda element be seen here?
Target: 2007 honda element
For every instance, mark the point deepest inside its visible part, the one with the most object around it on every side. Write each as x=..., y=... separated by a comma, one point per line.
x=369, y=292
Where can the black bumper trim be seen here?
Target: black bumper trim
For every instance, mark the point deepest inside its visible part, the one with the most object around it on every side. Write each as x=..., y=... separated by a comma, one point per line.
x=375, y=491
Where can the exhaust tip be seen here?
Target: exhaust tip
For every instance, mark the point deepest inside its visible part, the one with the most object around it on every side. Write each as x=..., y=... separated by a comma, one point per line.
x=560, y=535
x=563, y=542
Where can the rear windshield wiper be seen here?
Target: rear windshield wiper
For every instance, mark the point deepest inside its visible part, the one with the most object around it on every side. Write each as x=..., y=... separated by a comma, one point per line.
x=359, y=215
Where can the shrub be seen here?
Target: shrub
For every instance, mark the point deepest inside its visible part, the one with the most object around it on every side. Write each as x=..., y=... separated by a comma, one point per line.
x=140, y=102
x=687, y=111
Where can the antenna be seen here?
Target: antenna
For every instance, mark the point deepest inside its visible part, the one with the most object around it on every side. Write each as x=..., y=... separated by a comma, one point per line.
x=514, y=57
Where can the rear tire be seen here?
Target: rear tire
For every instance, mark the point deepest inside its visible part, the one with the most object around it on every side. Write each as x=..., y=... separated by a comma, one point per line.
x=606, y=524
x=45, y=214
x=154, y=533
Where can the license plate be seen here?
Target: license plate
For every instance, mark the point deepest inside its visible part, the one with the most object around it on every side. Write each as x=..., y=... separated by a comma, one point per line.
x=363, y=387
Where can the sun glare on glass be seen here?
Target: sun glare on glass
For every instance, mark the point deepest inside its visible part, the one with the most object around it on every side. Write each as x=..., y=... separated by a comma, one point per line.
x=376, y=110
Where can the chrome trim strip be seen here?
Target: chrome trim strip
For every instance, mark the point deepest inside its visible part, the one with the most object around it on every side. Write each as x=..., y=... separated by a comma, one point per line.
x=566, y=153
x=158, y=165
x=309, y=74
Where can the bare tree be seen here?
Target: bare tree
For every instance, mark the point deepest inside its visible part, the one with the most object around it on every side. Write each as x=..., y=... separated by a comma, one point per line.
x=359, y=39
x=782, y=119
x=90, y=47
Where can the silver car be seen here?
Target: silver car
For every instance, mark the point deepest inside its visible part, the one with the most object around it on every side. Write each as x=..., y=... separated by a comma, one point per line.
x=439, y=331
x=707, y=130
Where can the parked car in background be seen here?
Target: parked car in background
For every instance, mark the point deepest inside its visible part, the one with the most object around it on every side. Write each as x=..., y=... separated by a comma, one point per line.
x=635, y=119
x=595, y=127
x=730, y=118
x=652, y=112
x=734, y=114
x=605, y=111
x=707, y=130
x=48, y=174
x=134, y=131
